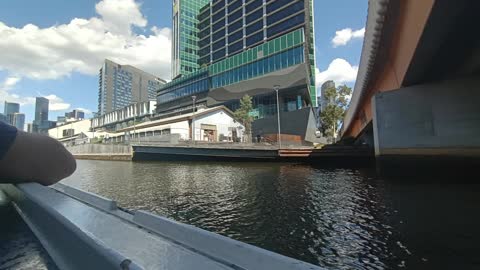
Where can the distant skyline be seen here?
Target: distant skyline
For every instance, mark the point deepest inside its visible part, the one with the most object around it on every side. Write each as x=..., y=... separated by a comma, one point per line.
x=55, y=48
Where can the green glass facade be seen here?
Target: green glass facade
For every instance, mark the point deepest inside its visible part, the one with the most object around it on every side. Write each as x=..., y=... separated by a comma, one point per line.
x=311, y=53
x=279, y=53
x=185, y=36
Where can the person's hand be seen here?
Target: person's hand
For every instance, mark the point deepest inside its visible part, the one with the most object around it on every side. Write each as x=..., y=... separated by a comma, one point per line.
x=36, y=158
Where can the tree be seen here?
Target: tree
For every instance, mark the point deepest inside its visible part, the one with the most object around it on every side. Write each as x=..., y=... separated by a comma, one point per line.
x=333, y=113
x=242, y=115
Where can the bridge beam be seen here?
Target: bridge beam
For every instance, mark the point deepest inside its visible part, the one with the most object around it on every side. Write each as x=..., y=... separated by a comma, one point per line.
x=440, y=120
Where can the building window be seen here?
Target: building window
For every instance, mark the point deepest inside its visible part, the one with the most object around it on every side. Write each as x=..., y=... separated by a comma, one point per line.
x=235, y=47
x=234, y=27
x=285, y=25
x=254, y=39
x=253, y=5
x=218, y=35
x=219, y=44
x=234, y=37
x=236, y=4
x=284, y=13
x=254, y=16
x=235, y=16
x=255, y=27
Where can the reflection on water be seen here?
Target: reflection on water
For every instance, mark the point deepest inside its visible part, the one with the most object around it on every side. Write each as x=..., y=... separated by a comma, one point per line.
x=339, y=219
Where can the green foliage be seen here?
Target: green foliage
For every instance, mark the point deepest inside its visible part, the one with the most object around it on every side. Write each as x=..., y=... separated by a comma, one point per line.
x=333, y=113
x=242, y=114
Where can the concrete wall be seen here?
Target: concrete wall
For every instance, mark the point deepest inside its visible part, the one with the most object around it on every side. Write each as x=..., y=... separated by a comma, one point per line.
x=300, y=123
x=433, y=119
x=100, y=149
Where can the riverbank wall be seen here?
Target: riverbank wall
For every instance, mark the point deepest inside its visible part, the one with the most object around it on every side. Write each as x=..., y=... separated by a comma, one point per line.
x=328, y=156
x=113, y=152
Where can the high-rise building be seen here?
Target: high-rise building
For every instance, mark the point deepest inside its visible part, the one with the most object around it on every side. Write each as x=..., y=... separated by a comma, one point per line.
x=122, y=85
x=242, y=47
x=30, y=127
x=3, y=117
x=41, y=110
x=41, y=123
x=75, y=114
x=13, y=116
x=17, y=120
x=323, y=100
x=185, y=39
x=11, y=108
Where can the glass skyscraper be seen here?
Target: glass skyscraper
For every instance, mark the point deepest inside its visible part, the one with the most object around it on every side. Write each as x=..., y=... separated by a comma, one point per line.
x=41, y=110
x=17, y=120
x=11, y=108
x=225, y=49
x=13, y=115
x=185, y=35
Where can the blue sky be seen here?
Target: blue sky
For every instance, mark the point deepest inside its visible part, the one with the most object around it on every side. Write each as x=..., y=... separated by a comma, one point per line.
x=54, y=48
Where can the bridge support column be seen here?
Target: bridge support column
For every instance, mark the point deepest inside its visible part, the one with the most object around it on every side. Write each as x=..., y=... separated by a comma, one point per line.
x=431, y=124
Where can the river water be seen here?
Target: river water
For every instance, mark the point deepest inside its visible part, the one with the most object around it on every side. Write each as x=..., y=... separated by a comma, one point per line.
x=335, y=218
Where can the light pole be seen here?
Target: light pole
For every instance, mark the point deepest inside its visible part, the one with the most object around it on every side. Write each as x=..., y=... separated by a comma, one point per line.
x=334, y=133
x=194, y=98
x=277, y=87
x=134, y=125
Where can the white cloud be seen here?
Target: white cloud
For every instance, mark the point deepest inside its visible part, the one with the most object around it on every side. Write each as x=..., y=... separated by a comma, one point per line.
x=10, y=82
x=120, y=15
x=56, y=103
x=5, y=95
x=83, y=44
x=339, y=70
x=86, y=111
x=342, y=37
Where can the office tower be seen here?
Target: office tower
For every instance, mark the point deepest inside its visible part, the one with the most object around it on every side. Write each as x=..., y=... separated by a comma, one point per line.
x=75, y=114
x=3, y=118
x=13, y=116
x=185, y=35
x=17, y=120
x=122, y=85
x=11, y=108
x=323, y=101
x=41, y=110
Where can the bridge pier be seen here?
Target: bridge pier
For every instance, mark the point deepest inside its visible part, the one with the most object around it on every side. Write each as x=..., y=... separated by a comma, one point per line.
x=430, y=124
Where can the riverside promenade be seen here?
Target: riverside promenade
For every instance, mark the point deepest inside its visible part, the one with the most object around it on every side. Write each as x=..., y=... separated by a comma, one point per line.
x=329, y=154
x=225, y=152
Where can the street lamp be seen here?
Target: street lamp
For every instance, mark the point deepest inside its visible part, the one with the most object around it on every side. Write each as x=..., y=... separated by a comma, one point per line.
x=134, y=125
x=276, y=88
x=194, y=98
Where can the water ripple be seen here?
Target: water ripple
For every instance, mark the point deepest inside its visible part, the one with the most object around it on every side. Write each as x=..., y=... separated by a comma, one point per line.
x=339, y=219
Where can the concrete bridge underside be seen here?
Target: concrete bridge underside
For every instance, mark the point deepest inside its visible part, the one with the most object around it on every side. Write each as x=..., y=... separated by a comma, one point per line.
x=417, y=91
